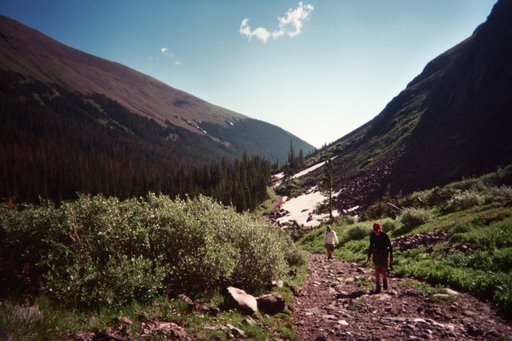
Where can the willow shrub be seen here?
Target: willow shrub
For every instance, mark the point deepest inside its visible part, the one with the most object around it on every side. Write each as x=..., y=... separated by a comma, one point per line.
x=99, y=251
x=412, y=217
x=357, y=232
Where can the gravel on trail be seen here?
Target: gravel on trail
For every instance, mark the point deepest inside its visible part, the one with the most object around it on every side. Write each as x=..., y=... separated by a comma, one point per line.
x=337, y=303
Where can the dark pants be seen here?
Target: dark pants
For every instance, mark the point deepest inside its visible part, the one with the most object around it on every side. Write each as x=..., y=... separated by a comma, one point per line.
x=330, y=250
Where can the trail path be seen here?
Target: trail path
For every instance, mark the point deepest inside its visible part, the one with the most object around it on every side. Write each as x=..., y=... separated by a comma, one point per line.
x=331, y=306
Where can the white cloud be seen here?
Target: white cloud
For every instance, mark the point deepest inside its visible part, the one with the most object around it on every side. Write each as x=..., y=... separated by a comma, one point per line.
x=260, y=33
x=166, y=54
x=290, y=24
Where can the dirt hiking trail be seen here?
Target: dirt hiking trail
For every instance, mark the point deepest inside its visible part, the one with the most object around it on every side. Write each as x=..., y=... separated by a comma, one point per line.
x=337, y=303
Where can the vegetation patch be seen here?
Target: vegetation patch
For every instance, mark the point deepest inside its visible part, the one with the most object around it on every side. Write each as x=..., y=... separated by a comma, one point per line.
x=412, y=217
x=95, y=259
x=475, y=256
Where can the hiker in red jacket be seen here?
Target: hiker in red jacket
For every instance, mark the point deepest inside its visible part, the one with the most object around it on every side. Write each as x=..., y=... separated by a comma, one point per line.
x=380, y=246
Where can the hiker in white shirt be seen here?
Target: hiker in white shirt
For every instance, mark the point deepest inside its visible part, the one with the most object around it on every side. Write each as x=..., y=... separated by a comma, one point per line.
x=330, y=241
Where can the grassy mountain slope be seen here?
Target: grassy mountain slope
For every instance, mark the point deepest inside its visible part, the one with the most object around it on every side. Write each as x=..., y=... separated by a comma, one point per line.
x=456, y=235
x=38, y=58
x=451, y=121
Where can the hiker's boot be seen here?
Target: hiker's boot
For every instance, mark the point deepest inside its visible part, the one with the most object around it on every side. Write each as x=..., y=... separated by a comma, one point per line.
x=377, y=289
x=385, y=284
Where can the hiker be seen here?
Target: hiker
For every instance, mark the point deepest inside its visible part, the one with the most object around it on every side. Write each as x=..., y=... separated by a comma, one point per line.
x=380, y=246
x=330, y=241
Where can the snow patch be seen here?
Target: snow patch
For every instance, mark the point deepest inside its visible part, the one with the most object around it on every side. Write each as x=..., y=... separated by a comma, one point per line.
x=301, y=207
x=278, y=178
x=308, y=170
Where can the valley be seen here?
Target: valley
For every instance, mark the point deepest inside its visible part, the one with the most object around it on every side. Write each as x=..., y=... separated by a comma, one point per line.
x=130, y=209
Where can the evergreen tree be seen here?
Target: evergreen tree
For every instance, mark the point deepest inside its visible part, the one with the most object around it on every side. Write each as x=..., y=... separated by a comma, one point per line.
x=293, y=161
x=326, y=183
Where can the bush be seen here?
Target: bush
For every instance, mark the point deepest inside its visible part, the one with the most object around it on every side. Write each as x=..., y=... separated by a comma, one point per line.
x=389, y=225
x=342, y=220
x=440, y=195
x=350, y=220
x=380, y=210
x=498, y=195
x=100, y=251
x=290, y=188
x=466, y=184
x=463, y=201
x=295, y=257
x=357, y=232
x=412, y=217
x=460, y=228
x=418, y=199
x=22, y=236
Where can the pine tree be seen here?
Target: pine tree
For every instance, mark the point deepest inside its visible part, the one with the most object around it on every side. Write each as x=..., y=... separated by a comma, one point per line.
x=301, y=158
x=326, y=183
x=293, y=162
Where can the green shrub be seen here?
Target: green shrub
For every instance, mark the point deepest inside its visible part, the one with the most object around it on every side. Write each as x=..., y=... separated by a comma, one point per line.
x=417, y=199
x=498, y=195
x=99, y=251
x=494, y=187
x=357, y=232
x=494, y=236
x=290, y=188
x=502, y=260
x=412, y=217
x=22, y=236
x=460, y=228
x=463, y=201
x=345, y=220
x=294, y=256
x=350, y=219
x=466, y=184
x=389, y=225
x=375, y=211
x=440, y=195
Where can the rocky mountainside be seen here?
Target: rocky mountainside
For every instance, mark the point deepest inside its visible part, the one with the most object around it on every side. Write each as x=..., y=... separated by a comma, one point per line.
x=30, y=57
x=450, y=122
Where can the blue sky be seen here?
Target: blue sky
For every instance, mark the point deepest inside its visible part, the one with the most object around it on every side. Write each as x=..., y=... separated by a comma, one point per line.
x=318, y=68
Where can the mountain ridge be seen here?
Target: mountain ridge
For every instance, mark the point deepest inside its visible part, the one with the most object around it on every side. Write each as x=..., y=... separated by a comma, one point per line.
x=448, y=123
x=28, y=52
x=114, y=78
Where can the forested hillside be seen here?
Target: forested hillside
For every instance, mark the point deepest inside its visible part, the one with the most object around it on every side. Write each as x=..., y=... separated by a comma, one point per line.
x=209, y=130
x=55, y=143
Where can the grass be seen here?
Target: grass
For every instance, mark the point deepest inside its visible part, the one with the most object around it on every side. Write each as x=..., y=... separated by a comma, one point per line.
x=431, y=291
x=266, y=207
x=21, y=327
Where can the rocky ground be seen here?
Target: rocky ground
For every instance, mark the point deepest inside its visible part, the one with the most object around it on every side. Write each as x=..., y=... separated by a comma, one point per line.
x=336, y=302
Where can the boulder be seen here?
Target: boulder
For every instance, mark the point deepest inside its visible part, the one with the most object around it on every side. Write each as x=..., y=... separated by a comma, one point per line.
x=29, y=313
x=271, y=304
x=237, y=333
x=238, y=299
